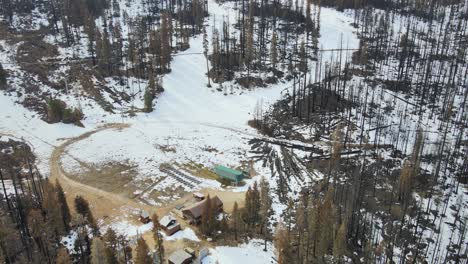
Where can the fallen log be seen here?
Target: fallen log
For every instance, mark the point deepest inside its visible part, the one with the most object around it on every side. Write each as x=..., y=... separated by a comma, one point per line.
x=327, y=156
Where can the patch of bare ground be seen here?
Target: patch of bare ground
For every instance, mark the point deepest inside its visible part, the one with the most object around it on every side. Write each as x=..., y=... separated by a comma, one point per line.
x=199, y=170
x=156, y=194
x=110, y=177
x=111, y=204
x=167, y=148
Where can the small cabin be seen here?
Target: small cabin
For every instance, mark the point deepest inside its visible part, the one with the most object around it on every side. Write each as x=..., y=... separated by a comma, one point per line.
x=144, y=217
x=190, y=250
x=180, y=257
x=199, y=196
x=229, y=174
x=169, y=225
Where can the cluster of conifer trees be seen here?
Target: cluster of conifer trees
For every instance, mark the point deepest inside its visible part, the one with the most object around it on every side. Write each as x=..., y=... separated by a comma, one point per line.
x=269, y=34
x=35, y=216
x=422, y=59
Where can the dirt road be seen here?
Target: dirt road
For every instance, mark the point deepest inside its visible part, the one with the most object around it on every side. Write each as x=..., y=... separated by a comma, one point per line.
x=114, y=205
x=104, y=204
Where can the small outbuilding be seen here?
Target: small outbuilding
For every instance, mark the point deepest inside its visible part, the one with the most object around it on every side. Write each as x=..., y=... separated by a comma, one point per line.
x=169, y=225
x=144, y=217
x=180, y=257
x=190, y=250
x=195, y=212
x=198, y=196
x=229, y=174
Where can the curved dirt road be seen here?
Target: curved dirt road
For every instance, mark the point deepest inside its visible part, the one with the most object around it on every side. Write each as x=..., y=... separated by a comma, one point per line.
x=103, y=203
x=111, y=205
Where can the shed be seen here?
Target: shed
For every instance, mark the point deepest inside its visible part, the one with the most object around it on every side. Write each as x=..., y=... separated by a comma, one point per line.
x=144, y=217
x=194, y=213
x=198, y=196
x=190, y=250
x=228, y=173
x=201, y=255
x=180, y=257
x=169, y=224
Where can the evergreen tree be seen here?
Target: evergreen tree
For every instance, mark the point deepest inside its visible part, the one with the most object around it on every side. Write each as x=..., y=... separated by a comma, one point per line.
x=283, y=245
x=166, y=37
x=252, y=205
x=98, y=252
x=249, y=56
x=55, y=110
x=405, y=182
x=63, y=257
x=3, y=76
x=339, y=245
x=326, y=218
x=149, y=94
x=265, y=208
x=302, y=58
x=236, y=221
x=106, y=54
x=110, y=238
x=100, y=53
x=90, y=30
x=63, y=205
x=82, y=245
x=205, y=52
x=207, y=221
x=118, y=45
x=125, y=255
x=337, y=137
x=142, y=253
x=82, y=208
x=274, y=51
x=158, y=238
x=53, y=212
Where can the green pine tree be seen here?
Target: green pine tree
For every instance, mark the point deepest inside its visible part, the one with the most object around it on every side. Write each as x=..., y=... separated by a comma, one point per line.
x=3, y=76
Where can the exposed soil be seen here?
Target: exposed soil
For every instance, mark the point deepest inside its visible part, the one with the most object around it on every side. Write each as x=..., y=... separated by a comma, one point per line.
x=110, y=201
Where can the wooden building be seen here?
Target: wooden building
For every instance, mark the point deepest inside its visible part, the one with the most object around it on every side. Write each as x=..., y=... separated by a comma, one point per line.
x=169, y=225
x=144, y=217
x=180, y=257
x=199, y=196
x=195, y=212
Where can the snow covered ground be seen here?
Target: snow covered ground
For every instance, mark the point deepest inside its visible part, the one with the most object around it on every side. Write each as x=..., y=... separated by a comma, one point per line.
x=245, y=253
x=186, y=233
x=202, y=125
x=188, y=115
x=194, y=119
x=128, y=229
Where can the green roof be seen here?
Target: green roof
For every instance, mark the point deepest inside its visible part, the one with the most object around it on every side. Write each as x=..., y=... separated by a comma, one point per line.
x=228, y=170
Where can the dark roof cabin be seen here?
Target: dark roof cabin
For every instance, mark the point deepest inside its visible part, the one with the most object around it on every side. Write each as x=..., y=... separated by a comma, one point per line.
x=198, y=196
x=169, y=225
x=144, y=217
x=195, y=212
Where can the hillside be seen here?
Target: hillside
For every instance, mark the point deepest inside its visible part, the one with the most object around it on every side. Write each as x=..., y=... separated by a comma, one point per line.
x=350, y=121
